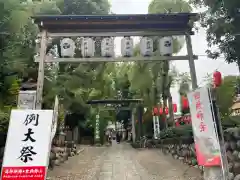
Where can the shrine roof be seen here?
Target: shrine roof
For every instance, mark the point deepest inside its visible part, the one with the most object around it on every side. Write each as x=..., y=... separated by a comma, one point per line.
x=116, y=23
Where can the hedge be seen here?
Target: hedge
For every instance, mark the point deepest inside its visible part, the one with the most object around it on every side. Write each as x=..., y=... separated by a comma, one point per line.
x=184, y=133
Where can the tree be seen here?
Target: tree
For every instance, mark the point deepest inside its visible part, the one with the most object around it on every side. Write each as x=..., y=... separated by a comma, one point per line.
x=17, y=35
x=222, y=23
x=167, y=6
x=17, y=49
x=78, y=83
x=184, y=88
x=226, y=94
x=152, y=81
x=77, y=7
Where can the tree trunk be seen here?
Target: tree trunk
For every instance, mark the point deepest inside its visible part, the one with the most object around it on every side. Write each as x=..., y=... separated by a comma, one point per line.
x=164, y=86
x=164, y=113
x=170, y=104
x=238, y=64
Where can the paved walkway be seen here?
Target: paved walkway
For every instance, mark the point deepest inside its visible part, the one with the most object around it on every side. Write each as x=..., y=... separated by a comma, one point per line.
x=122, y=162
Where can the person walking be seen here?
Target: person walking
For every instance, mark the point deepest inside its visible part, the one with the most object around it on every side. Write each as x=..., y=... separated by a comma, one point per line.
x=118, y=138
x=110, y=138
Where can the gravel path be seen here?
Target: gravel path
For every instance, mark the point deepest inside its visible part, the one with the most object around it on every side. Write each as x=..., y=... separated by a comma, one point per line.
x=79, y=167
x=122, y=162
x=164, y=167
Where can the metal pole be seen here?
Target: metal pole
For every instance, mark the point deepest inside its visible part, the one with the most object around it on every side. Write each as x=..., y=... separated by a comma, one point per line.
x=191, y=62
x=210, y=173
x=40, y=80
x=219, y=131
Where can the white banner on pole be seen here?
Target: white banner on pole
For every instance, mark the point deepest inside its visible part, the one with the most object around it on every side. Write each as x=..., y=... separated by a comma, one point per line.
x=203, y=123
x=55, y=118
x=28, y=144
x=156, y=127
x=97, y=128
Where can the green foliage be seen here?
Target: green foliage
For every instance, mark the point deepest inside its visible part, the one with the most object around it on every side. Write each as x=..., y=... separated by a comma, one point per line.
x=226, y=94
x=184, y=87
x=4, y=117
x=168, y=6
x=84, y=7
x=177, y=132
x=230, y=122
x=165, y=6
x=17, y=49
x=222, y=23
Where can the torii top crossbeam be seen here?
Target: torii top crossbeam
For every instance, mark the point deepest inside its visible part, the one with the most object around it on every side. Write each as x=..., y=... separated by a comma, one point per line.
x=117, y=25
x=114, y=101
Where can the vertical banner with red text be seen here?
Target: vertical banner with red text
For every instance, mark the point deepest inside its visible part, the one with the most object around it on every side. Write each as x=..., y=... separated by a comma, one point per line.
x=206, y=140
x=27, y=147
x=156, y=127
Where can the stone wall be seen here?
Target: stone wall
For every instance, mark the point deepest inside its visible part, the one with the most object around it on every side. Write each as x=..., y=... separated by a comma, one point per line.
x=61, y=150
x=182, y=148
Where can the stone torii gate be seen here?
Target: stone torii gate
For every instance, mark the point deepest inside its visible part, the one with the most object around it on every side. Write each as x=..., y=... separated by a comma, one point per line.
x=171, y=24
x=119, y=101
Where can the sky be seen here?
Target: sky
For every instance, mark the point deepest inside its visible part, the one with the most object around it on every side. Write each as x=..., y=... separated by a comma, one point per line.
x=203, y=65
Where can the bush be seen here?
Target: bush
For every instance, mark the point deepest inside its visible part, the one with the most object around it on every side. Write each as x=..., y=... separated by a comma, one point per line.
x=4, y=120
x=231, y=121
x=136, y=145
x=176, y=132
x=184, y=133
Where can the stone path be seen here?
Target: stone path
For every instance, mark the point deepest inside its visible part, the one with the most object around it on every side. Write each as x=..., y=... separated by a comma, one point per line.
x=80, y=167
x=122, y=162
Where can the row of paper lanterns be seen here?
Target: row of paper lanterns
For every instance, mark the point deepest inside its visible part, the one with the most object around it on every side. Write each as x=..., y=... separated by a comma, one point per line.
x=107, y=47
x=160, y=111
x=217, y=81
x=183, y=120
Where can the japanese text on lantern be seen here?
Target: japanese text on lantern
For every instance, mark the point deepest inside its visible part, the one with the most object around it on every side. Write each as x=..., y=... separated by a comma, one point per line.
x=28, y=152
x=199, y=114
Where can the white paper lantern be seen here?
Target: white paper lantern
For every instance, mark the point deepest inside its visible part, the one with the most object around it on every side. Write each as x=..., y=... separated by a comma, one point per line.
x=127, y=47
x=88, y=47
x=146, y=46
x=67, y=47
x=107, y=47
x=166, y=46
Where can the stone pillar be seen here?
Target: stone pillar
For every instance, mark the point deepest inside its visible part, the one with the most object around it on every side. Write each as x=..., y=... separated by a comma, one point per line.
x=69, y=135
x=97, y=130
x=75, y=135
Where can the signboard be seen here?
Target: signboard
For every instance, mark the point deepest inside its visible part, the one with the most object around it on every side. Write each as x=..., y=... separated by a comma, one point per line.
x=28, y=145
x=186, y=119
x=55, y=118
x=156, y=127
x=27, y=100
x=206, y=139
x=97, y=128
